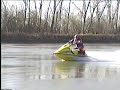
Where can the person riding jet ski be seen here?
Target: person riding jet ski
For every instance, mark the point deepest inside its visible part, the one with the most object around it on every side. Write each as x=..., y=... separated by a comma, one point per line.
x=79, y=44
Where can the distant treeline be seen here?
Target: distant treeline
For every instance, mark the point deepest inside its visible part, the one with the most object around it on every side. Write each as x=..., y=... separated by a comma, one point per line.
x=58, y=23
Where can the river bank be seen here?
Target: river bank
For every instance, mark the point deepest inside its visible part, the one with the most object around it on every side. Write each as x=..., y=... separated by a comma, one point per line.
x=57, y=38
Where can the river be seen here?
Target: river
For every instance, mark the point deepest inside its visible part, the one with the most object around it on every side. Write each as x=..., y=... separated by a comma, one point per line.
x=35, y=67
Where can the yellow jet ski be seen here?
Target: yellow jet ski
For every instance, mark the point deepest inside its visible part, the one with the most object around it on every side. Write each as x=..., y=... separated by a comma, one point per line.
x=67, y=52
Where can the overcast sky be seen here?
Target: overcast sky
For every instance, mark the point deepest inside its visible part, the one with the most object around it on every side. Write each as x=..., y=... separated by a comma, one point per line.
x=78, y=3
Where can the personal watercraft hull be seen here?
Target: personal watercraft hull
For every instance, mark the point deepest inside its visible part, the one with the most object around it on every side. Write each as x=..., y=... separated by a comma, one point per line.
x=67, y=53
x=68, y=57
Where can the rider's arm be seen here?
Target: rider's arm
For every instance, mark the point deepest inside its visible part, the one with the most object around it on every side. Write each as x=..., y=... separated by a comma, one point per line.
x=71, y=41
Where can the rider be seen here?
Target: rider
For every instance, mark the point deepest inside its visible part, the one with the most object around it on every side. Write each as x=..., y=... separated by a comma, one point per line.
x=79, y=45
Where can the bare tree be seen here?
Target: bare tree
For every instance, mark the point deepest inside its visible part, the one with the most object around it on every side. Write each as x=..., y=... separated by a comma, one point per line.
x=116, y=24
x=25, y=3
x=35, y=7
x=60, y=10
x=4, y=16
x=47, y=15
x=109, y=10
x=29, y=15
x=56, y=22
x=68, y=17
x=85, y=14
x=61, y=20
x=95, y=4
x=36, y=11
x=99, y=15
x=40, y=12
x=80, y=15
x=53, y=16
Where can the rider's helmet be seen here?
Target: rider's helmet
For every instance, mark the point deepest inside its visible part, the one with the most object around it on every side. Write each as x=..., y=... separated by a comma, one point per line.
x=75, y=36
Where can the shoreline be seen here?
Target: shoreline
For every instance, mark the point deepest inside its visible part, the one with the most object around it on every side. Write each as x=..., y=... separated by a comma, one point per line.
x=23, y=38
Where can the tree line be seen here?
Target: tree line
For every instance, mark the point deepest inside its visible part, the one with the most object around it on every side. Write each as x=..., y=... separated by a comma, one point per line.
x=90, y=19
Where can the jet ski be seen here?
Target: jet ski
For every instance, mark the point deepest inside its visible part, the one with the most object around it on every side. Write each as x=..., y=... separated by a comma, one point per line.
x=68, y=52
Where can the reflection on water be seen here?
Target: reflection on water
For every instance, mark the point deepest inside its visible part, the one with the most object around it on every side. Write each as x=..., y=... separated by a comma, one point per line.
x=21, y=63
x=71, y=69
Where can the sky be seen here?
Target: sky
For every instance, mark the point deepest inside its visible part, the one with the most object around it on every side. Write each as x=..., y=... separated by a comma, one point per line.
x=19, y=4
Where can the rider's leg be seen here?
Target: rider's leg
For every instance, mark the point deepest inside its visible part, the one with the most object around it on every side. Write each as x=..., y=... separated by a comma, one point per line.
x=81, y=51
